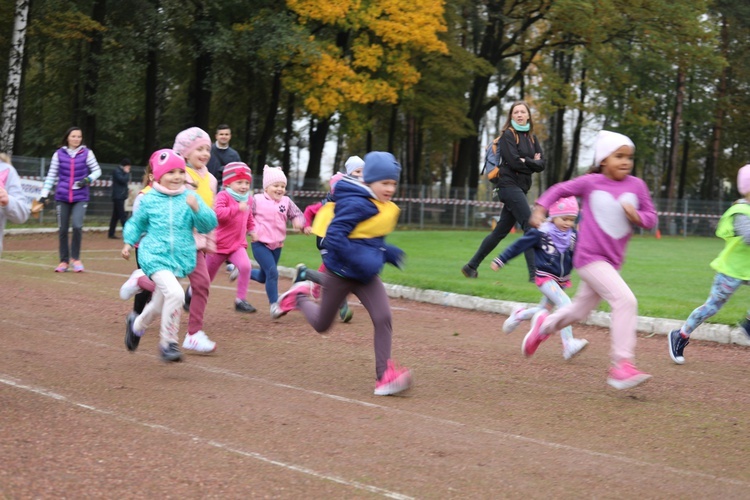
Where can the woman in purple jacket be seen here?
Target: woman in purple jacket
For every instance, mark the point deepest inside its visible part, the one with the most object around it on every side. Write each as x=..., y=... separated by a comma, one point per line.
x=73, y=168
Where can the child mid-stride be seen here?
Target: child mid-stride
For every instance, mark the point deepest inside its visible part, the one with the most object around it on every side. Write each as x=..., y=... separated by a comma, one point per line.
x=355, y=252
x=163, y=227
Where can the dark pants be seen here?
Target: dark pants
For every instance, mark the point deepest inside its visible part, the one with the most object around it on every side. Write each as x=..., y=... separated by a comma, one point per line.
x=373, y=297
x=515, y=210
x=118, y=214
x=68, y=213
x=143, y=297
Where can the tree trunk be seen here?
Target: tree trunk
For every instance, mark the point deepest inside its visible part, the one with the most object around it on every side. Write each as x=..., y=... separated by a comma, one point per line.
x=268, y=127
x=15, y=71
x=152, y=99
x=674, y=141
x=91, y=76
x=576, y=146
x=318, y=135
x=710, y=183
x=286, y=160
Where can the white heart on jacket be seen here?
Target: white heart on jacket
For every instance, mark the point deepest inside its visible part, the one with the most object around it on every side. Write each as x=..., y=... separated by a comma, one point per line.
x=609, y=214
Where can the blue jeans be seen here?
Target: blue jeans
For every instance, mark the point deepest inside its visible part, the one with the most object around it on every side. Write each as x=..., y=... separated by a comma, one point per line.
x=268, y=273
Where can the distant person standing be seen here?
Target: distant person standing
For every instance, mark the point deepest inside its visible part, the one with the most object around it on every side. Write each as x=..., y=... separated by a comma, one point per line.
x=73, y=168
x=221, y=152
x=120, y=192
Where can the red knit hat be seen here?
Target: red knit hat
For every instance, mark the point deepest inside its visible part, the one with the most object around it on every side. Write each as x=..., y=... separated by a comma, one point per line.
x=236, y=171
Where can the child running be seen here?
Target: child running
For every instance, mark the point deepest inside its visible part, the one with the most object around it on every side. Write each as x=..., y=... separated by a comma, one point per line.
x=553, y=244
x=317, y=219
x=732, y=268
x=613, y=200
x=355, y=253
x=271, y=210
x=194, y=145
x=164, y=224
x=235, y=223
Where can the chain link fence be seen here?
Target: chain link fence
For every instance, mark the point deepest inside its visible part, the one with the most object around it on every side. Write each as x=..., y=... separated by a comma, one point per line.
x=422, y=207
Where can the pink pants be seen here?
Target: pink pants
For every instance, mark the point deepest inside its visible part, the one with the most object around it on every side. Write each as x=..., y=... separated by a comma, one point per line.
x=199, y=284
x=600, y=280
x=240, y=259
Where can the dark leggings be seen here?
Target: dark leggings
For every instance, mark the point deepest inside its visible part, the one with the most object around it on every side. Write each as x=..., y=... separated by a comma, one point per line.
x=515, y=210
x=141, y=298
x=373, y=298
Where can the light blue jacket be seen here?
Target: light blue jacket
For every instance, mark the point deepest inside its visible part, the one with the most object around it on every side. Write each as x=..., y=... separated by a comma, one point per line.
x=166, y=223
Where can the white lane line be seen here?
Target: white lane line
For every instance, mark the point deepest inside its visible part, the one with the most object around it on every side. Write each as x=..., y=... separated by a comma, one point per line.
x=216, y=444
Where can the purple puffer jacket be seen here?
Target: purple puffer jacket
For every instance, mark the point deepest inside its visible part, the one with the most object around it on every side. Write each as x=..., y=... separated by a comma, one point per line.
x=72, y=171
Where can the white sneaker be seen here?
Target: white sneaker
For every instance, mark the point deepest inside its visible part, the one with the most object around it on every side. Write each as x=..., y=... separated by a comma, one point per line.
x=512, y=322
x=199, y=342
x=574, y=347
x=130, y=287
x=234, y=273
x=276, y=311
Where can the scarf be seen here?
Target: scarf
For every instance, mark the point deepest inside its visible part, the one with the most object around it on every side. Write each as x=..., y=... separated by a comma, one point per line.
x=237, y=196
x=560, y=238
x=520, y=128
x=169, y=192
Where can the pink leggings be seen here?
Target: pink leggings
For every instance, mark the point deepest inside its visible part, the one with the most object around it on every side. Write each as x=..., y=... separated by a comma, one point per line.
x=600, y=280
x=240, y=259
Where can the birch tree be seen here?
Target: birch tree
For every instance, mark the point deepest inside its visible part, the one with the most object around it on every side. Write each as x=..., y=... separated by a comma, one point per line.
x=15, y=69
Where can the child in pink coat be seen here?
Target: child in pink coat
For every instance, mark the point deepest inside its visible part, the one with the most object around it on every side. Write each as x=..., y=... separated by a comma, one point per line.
x=236, y=221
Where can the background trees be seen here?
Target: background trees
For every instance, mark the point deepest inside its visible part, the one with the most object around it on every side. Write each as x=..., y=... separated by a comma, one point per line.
x=428, y=80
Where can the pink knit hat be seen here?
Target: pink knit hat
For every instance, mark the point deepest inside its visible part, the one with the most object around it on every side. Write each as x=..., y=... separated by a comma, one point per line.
x=165, y=160
x=272, y=175
x=743, y=180
x=236, y=171
x=189, y=140
x=564, y=207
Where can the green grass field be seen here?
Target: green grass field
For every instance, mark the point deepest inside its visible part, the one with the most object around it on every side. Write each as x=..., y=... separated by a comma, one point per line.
x=670, y=276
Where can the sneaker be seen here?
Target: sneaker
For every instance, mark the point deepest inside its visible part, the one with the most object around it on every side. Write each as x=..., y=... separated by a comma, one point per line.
x=61, y=267
x=345, y=313
x=276, y=311
x=626, y=376
x=745, y=325
x=132, y=338
x=288, y=300
x=188, y=298
x=574, y=348
x=130, y=287
x=676, y=345
x=171, y=353
x=234, y=273
x=77, y=266
x=199, y=342
x=299, y=273
x=534, y=338
x=244, y=306
x=394, y=380
x=230, y=267
x=469, y=271
x=513, y=320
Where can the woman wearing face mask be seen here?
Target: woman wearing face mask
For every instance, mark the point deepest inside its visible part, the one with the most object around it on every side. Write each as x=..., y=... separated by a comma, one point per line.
x=521, y=156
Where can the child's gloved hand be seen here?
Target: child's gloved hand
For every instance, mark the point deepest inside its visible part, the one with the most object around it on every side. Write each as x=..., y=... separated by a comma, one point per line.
x=86, y=181
x=395, y=256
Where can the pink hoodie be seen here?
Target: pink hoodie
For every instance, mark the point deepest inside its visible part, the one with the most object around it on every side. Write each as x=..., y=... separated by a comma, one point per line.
x=271, y=218
x=234, y=225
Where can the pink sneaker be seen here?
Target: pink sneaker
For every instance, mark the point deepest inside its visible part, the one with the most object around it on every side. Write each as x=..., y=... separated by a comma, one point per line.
x=394, y=380
x=535, y=337
x=625, y=375
x=77, y=266
x=288, y=300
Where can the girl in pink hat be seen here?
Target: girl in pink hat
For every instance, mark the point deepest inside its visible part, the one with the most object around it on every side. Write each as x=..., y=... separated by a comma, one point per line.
x=553, y=245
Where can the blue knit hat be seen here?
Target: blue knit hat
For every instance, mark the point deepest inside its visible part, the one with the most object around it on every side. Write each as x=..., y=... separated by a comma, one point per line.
x=380, y=166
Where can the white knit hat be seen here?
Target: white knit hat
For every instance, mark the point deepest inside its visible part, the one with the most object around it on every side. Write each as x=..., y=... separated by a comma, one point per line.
x=607, y=143
x=353, y=163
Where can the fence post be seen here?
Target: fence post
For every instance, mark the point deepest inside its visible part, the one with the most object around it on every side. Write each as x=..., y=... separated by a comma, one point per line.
x=684, y=217
x=421, y=208
x=466, y=207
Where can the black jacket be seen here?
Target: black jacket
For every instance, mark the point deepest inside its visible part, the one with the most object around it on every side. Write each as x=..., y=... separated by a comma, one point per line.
x=514, y=172
x=120, y=180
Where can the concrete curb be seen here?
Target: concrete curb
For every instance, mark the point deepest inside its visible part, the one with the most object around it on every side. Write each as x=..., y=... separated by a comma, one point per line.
x=723, y=334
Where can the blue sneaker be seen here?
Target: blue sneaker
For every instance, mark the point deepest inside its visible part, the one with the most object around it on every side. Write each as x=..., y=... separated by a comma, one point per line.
x=345, y=313
x=299, y=273
x=171, y=353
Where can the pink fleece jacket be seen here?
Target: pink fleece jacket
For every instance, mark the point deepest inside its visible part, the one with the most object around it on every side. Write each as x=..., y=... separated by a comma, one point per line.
x=271, y=218
x=604, y=230
x=234, y=224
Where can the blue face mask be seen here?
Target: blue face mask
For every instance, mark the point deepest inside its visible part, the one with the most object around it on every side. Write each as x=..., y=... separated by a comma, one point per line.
x=237, y=196
x=520, y=128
